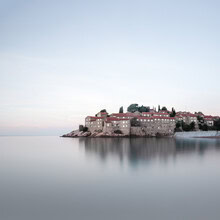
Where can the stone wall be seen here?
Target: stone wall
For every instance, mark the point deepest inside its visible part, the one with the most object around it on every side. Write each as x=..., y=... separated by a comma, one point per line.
x=197, y=134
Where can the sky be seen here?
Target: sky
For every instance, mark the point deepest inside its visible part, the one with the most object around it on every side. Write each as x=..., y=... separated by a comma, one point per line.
x=63, y=60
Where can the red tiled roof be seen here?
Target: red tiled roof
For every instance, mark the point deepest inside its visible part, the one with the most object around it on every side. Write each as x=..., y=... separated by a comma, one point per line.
x=163, y=117
x=109, y=119
x=161, y=113
x=128, y=114
x=94, y=118
x=154, y=117
x=154, y=113
x=186, y=115
x=148, y=113
x=208, y=117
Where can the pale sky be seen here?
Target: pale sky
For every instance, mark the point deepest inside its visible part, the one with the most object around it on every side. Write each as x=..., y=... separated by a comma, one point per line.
x=63, y=60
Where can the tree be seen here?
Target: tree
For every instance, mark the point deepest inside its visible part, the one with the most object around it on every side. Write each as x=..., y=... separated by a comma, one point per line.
x=205, y=127
x=164, y=109
x=132, y=108
x=217, y=124
x=103, y=110
x=178, y=126
x=192, y=126
x=135, y=107
x=158, y=108
x=85, y=129
x=173, y=113
x=200, y=119
x=143, y=109
x=121, y=110
x=185, y=126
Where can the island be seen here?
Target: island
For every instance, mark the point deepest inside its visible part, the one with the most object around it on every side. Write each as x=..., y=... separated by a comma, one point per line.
x=143, y=121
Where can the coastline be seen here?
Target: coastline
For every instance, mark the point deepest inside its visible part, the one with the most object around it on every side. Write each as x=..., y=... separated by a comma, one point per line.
x=192, y=134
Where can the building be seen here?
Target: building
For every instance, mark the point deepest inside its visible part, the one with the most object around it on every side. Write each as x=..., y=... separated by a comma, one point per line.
x=187, y=117
x=158, y=114
x=127, y=115
x=94, y=123
x=114, y=124
x=102, y=114
x=209, y=120
x=146, y=123
x=163, y=125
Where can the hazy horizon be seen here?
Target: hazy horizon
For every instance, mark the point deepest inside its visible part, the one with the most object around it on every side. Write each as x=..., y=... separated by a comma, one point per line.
x=61, y=61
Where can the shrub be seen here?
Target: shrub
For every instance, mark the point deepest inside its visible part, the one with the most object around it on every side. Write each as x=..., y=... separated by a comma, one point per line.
x=85, y=129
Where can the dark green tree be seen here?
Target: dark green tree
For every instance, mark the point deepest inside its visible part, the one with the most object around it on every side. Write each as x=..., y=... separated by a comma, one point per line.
x=192, y=126
x=121, y=110
x=173, y=113
x=143, y=109
x=200, y=119
x=158, y=108
x=178, y=126
x=164, y=109
x=217, y=124
x=103, y=110
x=205, y=127
x=185, y=126
x=132, y=108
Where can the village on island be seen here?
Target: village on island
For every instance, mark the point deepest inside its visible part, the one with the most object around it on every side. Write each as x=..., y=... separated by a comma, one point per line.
x=142, y=121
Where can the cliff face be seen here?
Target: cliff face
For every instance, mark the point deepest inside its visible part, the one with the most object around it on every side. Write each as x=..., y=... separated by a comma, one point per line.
x=134, y=131
x=77, y=133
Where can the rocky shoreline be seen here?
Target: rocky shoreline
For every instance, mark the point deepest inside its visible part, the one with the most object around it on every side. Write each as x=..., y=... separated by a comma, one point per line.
x=96, y=134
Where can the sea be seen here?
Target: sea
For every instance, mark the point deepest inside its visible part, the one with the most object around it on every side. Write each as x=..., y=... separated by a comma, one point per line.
x=54, y=178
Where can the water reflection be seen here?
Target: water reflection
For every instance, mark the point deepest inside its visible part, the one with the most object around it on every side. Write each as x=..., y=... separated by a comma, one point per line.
x=139, y=149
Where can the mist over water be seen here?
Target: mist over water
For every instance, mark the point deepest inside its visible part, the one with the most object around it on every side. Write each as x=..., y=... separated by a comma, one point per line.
x=52, y=178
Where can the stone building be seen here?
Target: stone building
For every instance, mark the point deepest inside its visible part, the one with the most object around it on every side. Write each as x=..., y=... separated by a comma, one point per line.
x=161, y=125
x=187, y=117
x=127, y=115
x=158, y=114
x=94, y=123
x=102, y=114
x=209, y=120
x=113, y=124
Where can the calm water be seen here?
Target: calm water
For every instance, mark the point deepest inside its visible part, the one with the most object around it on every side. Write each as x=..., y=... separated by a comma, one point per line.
x=52, y=178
